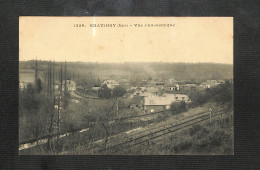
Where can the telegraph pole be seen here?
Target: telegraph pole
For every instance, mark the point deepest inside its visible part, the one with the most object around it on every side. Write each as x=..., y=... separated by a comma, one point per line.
x=117, y=107
x=36, y=75
x=53, y=107
x=48, y=84
x=53, y=79
x=59, y=105
x=65, y=77
x=60, y=78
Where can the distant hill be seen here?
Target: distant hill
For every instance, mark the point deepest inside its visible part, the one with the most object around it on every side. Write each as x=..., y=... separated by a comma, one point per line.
x=179, y=71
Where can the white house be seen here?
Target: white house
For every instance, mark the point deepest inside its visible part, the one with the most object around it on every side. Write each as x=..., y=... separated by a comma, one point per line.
x=71, y=85
x=111, y=84
x=209, y=83
x=159, y=103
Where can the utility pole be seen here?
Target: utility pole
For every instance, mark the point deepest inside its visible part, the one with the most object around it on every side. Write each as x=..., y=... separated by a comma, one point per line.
x=53, y=107
x=36, y=75
x=65, y=77
x=210, y=114
x=117, y=107
x=53, y=78
x=48, y=84
x=58, y=118
x=60, y=78
x=59, y=105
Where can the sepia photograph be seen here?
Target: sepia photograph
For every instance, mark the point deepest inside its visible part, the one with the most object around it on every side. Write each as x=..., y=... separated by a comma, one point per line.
x=126, y=86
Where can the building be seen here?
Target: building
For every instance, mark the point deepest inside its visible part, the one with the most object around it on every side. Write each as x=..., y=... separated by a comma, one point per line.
x=160, y=82
x=160, y=103
x=71, y=85
x=137, y=93
x=172, y=86
x=157, y=103
x=188, y=86
x=209, y=83
x=96, y=88
x=111, y=84
x=153, y=90
x=21, y=86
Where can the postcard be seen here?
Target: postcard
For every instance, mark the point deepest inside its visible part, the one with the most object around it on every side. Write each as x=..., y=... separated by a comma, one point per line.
x=126, y=86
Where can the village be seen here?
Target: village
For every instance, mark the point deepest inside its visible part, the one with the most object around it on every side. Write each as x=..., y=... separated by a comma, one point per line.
x=146, y=97
x=154, y=95
x=93, y=102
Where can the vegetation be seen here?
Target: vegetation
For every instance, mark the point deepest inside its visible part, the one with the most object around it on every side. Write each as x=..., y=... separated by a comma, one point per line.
x=180, y=107
x=119, y=91
x=85, y=73
x=104, y=92
x=210, y=139
x=100, y=115
x=222, y=94
x=34, y=111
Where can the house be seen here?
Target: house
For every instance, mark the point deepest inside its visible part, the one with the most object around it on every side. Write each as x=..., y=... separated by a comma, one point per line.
x=56, y=86
x=71, y=85
x=209, y=83
x=180, y=97
x=137, y=93
x=177, y=87
x=172, y=86
x=186, y=86
x=157, y=103
x=160, y=103
x=111, y=84
x=153, y=90
x=75, y=100
x=21, y=86
x=95, y=88
x=160, y=82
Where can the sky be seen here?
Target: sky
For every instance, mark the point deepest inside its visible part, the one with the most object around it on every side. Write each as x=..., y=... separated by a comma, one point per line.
x=190, y=40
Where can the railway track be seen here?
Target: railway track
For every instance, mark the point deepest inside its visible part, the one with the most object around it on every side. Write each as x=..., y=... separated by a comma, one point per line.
x=146, y=136
x=118, y=143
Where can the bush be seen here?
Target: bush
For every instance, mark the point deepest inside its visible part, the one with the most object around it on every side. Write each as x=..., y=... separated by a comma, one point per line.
x=118, y=91
x=195, y=129
x=104, y=92
x=34, y=113
x=222, y=94
x=178, y=107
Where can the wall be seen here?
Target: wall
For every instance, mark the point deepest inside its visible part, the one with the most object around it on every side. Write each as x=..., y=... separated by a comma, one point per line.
x=156, y=108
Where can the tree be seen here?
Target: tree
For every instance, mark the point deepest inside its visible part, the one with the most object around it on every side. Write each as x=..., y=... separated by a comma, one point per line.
x=104, y=92
x=119, y=91
x=39, y=85
x=29, y=90
x=34, y=110
x=176, y=108
x=105, y=115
